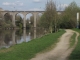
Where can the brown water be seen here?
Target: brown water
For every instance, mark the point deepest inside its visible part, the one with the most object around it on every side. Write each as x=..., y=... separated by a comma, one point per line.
x=11, y=37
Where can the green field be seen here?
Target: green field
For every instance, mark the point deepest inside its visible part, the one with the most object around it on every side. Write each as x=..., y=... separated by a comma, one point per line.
x=26, y=51
x=76, y=52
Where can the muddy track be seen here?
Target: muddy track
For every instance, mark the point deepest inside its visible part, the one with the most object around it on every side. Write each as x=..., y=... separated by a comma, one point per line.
x=62, y=50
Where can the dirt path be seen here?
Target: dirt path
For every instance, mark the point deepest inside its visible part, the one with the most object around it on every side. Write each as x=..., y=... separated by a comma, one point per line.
x=61, y=51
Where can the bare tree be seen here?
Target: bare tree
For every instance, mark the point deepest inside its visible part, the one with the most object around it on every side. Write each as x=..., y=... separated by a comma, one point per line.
x=49, y=16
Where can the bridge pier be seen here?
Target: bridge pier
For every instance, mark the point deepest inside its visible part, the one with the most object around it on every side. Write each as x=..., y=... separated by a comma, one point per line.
x=35, y=33
x=13, y=20
x=13, y=37
x=24, y=21
x=24, y=35
x=35, y=18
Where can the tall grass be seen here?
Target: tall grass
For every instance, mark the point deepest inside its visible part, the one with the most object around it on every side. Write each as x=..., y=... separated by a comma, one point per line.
x=76, y=52
x=26, y=51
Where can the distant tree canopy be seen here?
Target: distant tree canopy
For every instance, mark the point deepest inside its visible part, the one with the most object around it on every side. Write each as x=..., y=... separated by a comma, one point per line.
x=69, y=19
x=53, y=21
x=7, y=18
x=19, y=21
x=7, y=21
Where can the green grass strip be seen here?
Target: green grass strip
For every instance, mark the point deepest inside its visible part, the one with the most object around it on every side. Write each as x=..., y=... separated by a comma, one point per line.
x=75, y=55
x=72, y=40
x=26, y=51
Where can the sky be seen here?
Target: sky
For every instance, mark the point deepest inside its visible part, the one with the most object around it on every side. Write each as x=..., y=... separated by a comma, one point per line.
x=32, y=5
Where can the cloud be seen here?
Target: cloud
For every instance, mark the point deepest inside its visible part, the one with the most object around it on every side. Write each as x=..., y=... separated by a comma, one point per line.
x=36, y=1
x=6, y=3
x=63, y=5
x=17, y=3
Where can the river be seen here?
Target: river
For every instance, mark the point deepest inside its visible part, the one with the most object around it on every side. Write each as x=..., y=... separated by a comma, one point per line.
x=11, y=37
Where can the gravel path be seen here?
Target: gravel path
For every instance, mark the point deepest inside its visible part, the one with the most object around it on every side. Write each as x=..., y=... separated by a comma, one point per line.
x=61, y=51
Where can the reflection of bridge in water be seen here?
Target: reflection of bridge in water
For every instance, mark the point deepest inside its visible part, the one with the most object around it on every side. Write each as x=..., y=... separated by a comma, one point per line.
x=7, y=41
x=34, y=13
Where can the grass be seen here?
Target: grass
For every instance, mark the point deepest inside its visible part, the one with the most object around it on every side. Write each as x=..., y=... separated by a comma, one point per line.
x=26, y=51
x=75, y=55
x=72, y=40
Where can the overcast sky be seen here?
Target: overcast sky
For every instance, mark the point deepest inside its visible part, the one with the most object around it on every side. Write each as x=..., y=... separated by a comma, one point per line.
x=26, y=5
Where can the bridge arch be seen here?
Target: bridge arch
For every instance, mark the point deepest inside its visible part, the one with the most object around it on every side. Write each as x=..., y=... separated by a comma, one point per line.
x=8, y=19
x=30, y=20
x=19, y=20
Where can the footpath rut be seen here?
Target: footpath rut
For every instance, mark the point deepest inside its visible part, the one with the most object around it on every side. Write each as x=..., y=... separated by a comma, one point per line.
x=62, y=50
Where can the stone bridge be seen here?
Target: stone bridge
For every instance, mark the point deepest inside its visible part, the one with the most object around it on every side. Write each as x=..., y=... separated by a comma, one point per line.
x=14, y=13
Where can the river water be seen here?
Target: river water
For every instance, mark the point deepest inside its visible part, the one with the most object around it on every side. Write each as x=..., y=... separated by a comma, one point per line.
x=11, y=37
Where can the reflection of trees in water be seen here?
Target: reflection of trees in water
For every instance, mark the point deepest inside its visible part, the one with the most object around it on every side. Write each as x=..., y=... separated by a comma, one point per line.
x=19, y=34
x=1, y=39
x=5, y=37
x=37, y=31
x=11, y=37
x=1, y=32
x=8, y=38
x=31, y=33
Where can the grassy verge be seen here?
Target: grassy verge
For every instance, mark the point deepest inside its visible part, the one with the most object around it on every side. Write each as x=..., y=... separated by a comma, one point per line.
x=76, y=53
x=72, y=41
x=26, y=51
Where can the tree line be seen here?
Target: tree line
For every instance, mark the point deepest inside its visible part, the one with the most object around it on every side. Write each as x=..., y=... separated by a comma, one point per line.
x=53, y=21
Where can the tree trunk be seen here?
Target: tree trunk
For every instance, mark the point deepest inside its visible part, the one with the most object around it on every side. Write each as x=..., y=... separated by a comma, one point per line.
x=50, y=29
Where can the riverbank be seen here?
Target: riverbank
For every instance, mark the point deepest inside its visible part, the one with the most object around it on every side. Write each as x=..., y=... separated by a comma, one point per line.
x=26, y=51
x=75, y=55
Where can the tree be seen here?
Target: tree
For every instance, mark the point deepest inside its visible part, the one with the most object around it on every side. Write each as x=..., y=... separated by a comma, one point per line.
x=19, y=21
x=69, y=16
x=8, y=18
x=38, y=20
x=28, y=24
x=48, y=19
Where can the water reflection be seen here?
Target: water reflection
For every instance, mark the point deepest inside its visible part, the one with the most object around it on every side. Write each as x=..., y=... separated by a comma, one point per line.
x=11, y=37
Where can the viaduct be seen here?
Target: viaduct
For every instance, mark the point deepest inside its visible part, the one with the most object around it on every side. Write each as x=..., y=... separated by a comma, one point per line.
x=34, y=13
